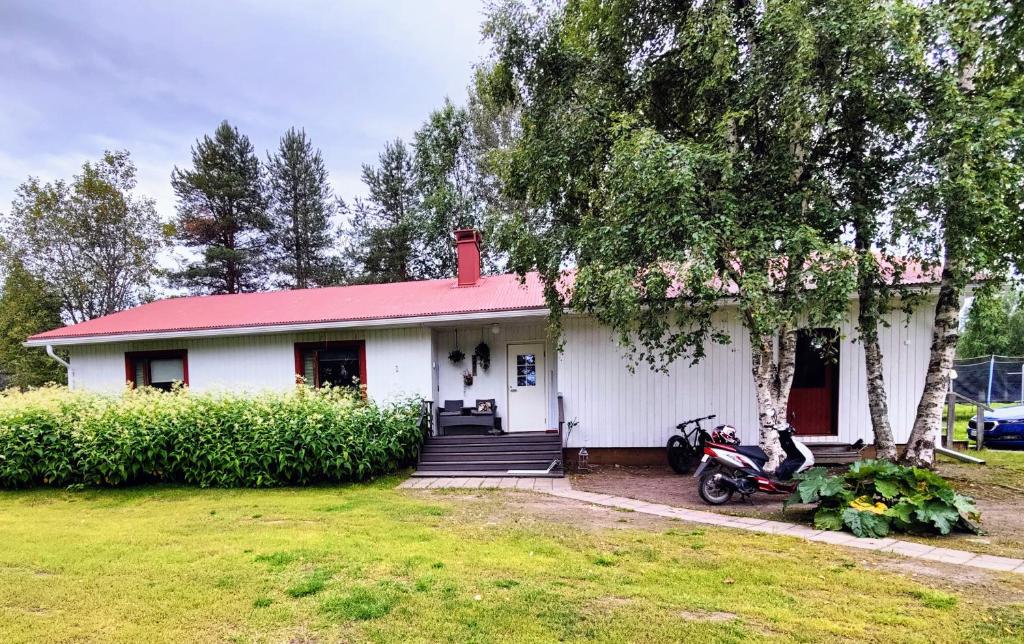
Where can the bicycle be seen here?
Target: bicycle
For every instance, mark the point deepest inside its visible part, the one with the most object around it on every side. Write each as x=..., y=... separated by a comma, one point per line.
x=685, y=450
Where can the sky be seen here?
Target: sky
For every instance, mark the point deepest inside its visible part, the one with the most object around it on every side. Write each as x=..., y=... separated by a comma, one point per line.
x=80, y=77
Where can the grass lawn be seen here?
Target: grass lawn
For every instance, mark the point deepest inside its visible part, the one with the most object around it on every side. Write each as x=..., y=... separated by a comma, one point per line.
x=368, y=562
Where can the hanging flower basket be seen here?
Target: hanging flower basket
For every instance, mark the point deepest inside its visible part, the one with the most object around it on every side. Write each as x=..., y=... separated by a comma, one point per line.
x=456, y=356
x=483, y=355
x=467, y=378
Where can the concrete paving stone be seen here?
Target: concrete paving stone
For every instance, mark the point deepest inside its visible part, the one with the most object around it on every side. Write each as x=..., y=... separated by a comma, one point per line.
x=542, y=485
x=908, y=548
x=473, y=482
x=834, y=538
x=991, y=562
x=751, y=521
x=524, y=484
x=870, y=544
x=948, y=555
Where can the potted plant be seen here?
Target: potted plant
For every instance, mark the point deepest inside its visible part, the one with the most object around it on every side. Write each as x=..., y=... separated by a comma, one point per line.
x=456, y=356
x=467, y=378
x=482, y=352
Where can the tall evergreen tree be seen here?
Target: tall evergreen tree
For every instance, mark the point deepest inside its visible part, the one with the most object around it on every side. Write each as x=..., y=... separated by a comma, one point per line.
x=382, y=237
x=28, y=305
x=93, y=240
x=222, y=214
x=301, y=208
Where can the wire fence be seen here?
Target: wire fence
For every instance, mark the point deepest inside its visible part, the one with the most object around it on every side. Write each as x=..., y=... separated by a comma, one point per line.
x=990, y=378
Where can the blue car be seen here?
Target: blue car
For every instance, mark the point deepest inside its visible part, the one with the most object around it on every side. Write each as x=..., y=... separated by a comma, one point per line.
x=1003, y=427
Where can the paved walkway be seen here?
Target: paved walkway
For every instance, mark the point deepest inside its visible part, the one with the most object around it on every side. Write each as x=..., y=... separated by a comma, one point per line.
x=562, y=488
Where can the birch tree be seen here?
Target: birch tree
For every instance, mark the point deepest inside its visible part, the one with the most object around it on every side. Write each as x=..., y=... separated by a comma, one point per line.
x=668, y=151
x=92, y=240
x=963, y=205
x=867, y=78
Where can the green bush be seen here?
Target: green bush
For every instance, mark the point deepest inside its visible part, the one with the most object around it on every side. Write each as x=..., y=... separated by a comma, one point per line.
x=53, y=436
x=874, y=497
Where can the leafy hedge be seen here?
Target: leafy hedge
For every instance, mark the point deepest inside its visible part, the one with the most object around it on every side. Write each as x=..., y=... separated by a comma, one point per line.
x=53, y=436
x=874, y=497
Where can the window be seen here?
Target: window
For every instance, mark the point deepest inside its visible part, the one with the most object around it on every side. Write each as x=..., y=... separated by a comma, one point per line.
x=526, y=370
x=340, y=364
x=159, y=369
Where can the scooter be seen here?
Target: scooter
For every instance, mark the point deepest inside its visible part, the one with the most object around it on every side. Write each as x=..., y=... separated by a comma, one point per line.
x=730, y=469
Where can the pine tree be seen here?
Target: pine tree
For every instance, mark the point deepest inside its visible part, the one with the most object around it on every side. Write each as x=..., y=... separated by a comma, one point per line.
x=383, y=225
x=302, y=205
x=27, y=306
x=222, y=213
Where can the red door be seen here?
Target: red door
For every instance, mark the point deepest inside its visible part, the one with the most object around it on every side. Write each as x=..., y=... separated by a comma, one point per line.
x=814, y=398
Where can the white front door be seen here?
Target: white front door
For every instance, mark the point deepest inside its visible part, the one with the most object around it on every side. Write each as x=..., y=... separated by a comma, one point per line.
x=527, y=389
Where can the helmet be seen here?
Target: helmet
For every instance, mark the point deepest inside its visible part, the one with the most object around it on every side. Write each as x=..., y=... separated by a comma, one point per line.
x=725, y=434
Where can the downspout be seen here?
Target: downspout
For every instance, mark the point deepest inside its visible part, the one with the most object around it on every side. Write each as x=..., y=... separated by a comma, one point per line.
x=62, y=361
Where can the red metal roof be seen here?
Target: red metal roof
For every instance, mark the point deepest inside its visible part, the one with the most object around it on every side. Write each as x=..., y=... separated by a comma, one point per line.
x=427, y=298
x=495, y=293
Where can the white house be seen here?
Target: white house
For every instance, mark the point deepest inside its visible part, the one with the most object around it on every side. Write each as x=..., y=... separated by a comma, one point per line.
x=396, y=339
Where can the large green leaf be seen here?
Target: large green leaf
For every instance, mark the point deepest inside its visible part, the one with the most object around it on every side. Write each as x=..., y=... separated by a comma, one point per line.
x=866, y=524
x=902, y=512
x=828, y=519
x=887, y=488
x=938, y=514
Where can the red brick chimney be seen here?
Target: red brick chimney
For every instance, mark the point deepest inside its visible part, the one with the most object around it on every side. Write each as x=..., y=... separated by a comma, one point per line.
x=467, y=247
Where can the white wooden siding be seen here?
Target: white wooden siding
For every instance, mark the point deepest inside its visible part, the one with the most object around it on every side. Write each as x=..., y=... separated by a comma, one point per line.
x=617, y=408
x=493, y=382
x=397, y=361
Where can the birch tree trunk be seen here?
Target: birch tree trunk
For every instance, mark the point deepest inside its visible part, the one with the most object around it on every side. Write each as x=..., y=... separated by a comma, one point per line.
x=878, y=403
x=771, y=418
x=920, y=450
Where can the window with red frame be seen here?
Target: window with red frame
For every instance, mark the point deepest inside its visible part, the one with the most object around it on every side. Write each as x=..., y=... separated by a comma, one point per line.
x=158, y=369
x=340, y=364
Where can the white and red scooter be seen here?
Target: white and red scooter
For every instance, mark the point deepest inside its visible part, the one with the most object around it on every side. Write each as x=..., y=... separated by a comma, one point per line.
x=728, y=469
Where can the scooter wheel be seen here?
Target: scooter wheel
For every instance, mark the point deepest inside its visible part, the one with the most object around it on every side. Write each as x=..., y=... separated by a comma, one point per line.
x=711, y=491
x=681, y=456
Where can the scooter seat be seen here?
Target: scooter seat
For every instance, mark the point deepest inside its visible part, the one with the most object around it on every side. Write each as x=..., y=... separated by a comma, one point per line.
x=752, y=451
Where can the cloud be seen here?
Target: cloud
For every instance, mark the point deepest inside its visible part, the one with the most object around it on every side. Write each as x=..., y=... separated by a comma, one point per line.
x=151, y=77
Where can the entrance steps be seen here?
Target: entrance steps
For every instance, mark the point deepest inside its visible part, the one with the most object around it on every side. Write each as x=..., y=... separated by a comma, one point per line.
x=525, y=453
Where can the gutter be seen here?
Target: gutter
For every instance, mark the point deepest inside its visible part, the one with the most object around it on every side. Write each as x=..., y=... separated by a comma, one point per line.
x=62, y=361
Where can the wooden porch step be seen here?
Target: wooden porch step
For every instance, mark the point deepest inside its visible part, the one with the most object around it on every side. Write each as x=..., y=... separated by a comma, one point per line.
x=489, y=455
x=507, y=463
x=475, y=439
x=555, y=474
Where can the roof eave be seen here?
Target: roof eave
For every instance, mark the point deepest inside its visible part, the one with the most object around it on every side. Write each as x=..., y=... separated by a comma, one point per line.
x=422, y=320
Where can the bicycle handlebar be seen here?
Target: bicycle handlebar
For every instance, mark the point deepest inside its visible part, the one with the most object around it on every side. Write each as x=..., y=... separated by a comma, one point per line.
x=695, y=420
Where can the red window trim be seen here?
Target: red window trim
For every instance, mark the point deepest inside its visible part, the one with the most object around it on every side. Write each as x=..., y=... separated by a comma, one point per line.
x=300, y=347
x=131, y=357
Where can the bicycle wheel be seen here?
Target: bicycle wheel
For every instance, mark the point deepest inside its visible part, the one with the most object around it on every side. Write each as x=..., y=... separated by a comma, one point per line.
x=682, y=458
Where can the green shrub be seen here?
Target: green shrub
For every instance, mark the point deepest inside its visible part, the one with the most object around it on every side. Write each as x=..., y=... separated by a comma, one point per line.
x=874, y=497
x=53, y=436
